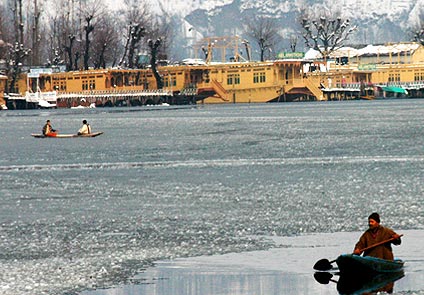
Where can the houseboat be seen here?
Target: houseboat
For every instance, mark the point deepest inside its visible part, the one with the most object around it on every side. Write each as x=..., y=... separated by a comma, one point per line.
x=368, y=72
x=374, y=71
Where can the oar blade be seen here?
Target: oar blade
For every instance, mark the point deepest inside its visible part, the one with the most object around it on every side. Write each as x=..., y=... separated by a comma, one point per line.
x=323, y=264
x=323, y=277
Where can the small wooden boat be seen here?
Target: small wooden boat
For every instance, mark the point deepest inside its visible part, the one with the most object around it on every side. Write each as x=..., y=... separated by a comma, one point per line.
x=56, y=135
x=350, y=263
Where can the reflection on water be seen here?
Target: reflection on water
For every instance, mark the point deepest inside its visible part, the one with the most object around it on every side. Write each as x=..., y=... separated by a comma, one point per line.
x=237, y=283
x=360, y=283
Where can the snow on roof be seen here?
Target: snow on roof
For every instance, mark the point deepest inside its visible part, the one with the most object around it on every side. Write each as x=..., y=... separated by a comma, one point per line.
x=367, y=50
x=312, y=54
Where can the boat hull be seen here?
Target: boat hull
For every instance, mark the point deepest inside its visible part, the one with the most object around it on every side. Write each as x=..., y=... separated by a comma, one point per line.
x=350, y=263
x=66, y=135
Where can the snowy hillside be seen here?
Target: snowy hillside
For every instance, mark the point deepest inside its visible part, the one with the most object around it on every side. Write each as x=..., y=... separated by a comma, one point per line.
x=378, y=21
x=356, y=9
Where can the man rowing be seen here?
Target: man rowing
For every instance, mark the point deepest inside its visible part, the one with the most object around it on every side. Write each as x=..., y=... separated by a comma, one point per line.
x=377, y=233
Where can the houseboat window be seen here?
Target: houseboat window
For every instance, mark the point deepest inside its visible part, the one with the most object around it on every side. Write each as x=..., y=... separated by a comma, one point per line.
x=259, y=77
x=342, y=60
x=394, y=77
x=233, y=79
x=170, y=82
x=419, y=76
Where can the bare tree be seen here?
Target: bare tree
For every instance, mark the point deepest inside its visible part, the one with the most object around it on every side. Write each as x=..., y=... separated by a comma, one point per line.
x=88, y=29
x=18, y=21
x=6, y=30
x=293, y=43
x=106, y=42
x=154, y=48
x=65, y=39
x=419, y=36
x=138, y=18
x=325, y=33
x=161, y=28
x=35, y=31
x=72, y=27
x=418, y=32
x=91, y=12
x=6, y=37
x=264, y=32
x=16, y=54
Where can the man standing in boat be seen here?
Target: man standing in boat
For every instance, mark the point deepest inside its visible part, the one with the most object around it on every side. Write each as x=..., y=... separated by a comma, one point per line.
x=377, y=233
x=85, y=129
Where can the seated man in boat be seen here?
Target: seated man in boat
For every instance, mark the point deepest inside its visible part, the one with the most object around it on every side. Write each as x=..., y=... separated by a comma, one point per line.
x=377, y=233
x=85, y=129
x=48, y=129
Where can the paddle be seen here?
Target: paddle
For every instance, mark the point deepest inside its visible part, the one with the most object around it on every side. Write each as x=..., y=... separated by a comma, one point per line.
x=324, y=264
x=324, y=277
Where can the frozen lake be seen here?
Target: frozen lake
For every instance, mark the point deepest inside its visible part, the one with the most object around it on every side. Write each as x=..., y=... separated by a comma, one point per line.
x=209, y=182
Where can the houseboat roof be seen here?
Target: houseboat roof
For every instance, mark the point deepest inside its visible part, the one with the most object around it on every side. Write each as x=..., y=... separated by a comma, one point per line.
x=368, y=50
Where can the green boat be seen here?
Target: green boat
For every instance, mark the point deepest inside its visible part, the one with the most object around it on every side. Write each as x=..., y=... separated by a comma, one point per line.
x=350, y=263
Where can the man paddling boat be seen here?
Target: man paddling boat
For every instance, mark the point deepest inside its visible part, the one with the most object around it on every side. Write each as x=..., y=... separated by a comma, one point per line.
x=375, y=244
x=377, y=233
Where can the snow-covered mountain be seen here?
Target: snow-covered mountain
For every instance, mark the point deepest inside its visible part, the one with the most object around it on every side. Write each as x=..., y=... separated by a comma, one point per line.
x=379, y=21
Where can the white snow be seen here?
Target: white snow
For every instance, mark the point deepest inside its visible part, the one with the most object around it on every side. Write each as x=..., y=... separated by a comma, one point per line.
x=367, y=50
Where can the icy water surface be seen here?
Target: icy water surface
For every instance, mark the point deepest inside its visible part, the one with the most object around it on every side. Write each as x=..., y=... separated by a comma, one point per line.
x=165, y=183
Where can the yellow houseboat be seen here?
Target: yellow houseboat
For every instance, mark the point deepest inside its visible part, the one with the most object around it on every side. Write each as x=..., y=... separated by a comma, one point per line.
x=392, y=70
x=233, y=82
x=375, y=71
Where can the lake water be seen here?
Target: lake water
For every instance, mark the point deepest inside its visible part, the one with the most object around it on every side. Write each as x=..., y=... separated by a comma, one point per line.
x=236, y=199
